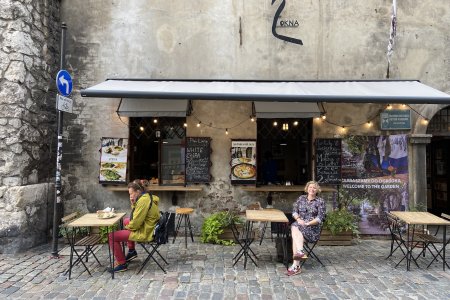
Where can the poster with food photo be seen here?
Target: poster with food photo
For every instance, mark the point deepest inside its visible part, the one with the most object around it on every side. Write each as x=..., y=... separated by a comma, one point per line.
x=243, y=162
x=113, y=160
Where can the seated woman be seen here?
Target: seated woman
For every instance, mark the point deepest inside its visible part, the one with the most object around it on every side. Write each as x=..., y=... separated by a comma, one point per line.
x=308, y=213
x=138, y=228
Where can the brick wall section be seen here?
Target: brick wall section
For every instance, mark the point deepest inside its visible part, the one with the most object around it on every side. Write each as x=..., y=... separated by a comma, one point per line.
x=29, y=58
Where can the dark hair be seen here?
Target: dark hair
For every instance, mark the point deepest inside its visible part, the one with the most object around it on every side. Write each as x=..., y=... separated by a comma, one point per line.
x=136, y=185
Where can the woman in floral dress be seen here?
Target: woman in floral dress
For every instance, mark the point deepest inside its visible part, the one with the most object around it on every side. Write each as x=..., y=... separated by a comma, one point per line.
x=309, y=214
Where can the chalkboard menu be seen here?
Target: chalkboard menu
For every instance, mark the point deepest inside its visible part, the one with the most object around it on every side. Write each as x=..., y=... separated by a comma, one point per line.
x=198, y=161
x=328, y=161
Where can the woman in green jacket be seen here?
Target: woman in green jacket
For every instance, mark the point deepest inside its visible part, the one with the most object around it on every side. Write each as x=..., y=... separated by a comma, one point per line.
x=138, y=228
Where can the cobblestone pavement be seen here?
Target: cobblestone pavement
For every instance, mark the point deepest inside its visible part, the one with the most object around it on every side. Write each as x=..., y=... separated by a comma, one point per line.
x=204, y=271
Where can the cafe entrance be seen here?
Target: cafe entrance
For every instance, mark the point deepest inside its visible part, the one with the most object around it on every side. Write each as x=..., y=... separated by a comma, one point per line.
x=438, y=163
x=284, y=151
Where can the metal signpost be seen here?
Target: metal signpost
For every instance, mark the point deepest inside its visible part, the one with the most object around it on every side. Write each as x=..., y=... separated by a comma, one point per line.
x=64, y=85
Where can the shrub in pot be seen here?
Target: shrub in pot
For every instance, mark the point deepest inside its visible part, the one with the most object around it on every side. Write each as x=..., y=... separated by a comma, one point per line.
x=214, y=225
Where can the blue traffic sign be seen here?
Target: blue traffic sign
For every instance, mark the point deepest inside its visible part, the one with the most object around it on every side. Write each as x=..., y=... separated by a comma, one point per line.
x=64, y=82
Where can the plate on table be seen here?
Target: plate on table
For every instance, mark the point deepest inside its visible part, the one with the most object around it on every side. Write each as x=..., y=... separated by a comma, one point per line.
x=244, y=171
x=106, y=216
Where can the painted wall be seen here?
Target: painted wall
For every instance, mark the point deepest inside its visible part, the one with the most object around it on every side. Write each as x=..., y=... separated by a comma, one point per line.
x=234, y=39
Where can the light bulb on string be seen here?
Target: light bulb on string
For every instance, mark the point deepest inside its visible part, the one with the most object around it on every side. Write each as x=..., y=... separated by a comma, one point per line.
x=369, y=124
x=199, y=123
x=295, y=123
x=226, y=131
x=155, y=121
x=425, y=121
x=185, y=124
x=324, y=116
x=141, y=128
x=252, y=118
x=389, y=106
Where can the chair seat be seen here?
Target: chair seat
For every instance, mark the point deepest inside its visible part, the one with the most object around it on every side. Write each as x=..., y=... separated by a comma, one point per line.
x=90, y=240
x=184, y=211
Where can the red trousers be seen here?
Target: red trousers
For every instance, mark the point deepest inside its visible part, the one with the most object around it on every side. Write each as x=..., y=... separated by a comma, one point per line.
x=120, y=237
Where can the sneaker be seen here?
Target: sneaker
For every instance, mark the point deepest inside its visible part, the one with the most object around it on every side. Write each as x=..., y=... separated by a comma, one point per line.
x=294, y=270
x=132, y=254
x=300, y=255
x=120, y=268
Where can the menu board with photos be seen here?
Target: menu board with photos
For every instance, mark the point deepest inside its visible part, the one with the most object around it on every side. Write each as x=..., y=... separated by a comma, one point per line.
x=113, y=160
x=328, y=161
x=243, y=162
x=198, y=159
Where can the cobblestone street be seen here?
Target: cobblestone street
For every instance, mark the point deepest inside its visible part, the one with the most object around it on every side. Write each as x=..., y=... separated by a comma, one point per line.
x=205, y=271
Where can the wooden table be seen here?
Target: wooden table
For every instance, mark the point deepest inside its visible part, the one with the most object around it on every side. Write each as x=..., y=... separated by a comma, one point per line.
x=413, y=218
x=91, y=220
x=264, y=215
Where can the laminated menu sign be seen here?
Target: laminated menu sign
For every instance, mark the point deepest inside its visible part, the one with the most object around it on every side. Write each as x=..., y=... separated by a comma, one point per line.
x=328, y=161
x=113, y=160
x=243, y=162
x=198, y=161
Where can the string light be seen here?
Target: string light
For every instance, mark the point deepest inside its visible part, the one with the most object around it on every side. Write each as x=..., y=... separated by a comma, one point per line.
x=389, y=106
x=324, y=116
x=285, y=126
x=275, y=123
x=425, y=121
x=185, y=124
x=252, y=118
x=199, y=123
x=369, y=123
x=155, y=121
x=141, y=128
x=295, y=123
x=226, y=131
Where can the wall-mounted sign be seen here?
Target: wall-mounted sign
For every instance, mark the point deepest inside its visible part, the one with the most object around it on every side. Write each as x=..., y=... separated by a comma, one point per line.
x=113, y=160
x=198, y=161
x=395, y=120
x=243, y=162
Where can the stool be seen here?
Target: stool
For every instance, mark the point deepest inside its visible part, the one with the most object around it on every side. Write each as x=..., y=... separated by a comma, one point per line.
x=183, y=214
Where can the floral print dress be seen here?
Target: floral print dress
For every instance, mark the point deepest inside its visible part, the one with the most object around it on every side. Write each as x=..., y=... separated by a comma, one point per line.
x=307, y=211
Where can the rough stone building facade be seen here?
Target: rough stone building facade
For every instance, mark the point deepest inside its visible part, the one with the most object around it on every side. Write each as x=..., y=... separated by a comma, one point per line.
x=196, y=40
x=29, y=38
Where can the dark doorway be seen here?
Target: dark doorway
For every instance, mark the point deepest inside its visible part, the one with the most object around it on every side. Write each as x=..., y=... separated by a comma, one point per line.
x=284, y=151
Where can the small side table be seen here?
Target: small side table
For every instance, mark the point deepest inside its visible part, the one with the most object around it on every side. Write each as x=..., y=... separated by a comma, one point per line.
x=183, y=214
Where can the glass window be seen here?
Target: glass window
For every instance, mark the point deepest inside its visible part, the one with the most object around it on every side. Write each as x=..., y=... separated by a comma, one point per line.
x=157, y=150
x=284, y=151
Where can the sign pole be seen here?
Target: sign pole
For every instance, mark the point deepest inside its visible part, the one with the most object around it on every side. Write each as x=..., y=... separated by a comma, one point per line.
x=57, y=202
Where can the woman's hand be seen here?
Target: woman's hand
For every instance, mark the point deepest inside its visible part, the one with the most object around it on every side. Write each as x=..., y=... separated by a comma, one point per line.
x=301, y=222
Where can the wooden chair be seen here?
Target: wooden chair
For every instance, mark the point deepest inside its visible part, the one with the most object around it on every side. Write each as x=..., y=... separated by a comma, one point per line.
x=160, y=237
x=433, y=239
x=398, y=237
x=87, y=242
x=309, y=246
x=244, y=238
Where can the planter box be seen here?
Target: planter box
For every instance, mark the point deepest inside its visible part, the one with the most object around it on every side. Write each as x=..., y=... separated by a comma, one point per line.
x=340, y=239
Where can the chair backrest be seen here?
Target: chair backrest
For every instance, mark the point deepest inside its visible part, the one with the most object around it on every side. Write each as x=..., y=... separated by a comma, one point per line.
x=394, y=226
x=254, y=206
x=161, y=233
x=69, y=218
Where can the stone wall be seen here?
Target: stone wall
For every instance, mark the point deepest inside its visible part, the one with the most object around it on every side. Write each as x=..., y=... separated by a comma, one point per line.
x=29, y=35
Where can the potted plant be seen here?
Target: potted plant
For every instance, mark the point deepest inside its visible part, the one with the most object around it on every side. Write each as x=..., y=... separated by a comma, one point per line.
x=216, y=225
x=339, y=228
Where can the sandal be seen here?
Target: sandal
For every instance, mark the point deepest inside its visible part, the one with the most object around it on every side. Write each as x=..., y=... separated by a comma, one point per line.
x=300, y=255
x=294, y=270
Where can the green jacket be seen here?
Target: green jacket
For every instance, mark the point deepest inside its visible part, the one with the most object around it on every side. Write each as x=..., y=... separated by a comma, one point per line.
x=144, y=220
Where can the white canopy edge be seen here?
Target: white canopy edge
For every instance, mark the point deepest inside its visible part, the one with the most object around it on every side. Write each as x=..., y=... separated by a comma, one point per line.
x=385, y=91
x=132, y=107
x=286, y=109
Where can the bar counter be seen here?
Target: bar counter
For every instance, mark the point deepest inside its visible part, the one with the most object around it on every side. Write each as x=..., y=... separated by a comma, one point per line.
x=284, y=188
x=159, y=188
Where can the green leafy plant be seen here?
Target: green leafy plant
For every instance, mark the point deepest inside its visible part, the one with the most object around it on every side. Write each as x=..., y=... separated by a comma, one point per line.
x=104, y=230
x=66, y=231
x=341, y=220
x=215, y=224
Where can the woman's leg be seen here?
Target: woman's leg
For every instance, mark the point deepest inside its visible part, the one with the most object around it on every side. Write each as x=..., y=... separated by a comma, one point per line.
x=119, y=237
x=297, y=239
x=131, y=245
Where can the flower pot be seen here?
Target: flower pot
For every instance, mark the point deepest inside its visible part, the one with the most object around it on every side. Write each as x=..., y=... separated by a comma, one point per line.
x=339, y=239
